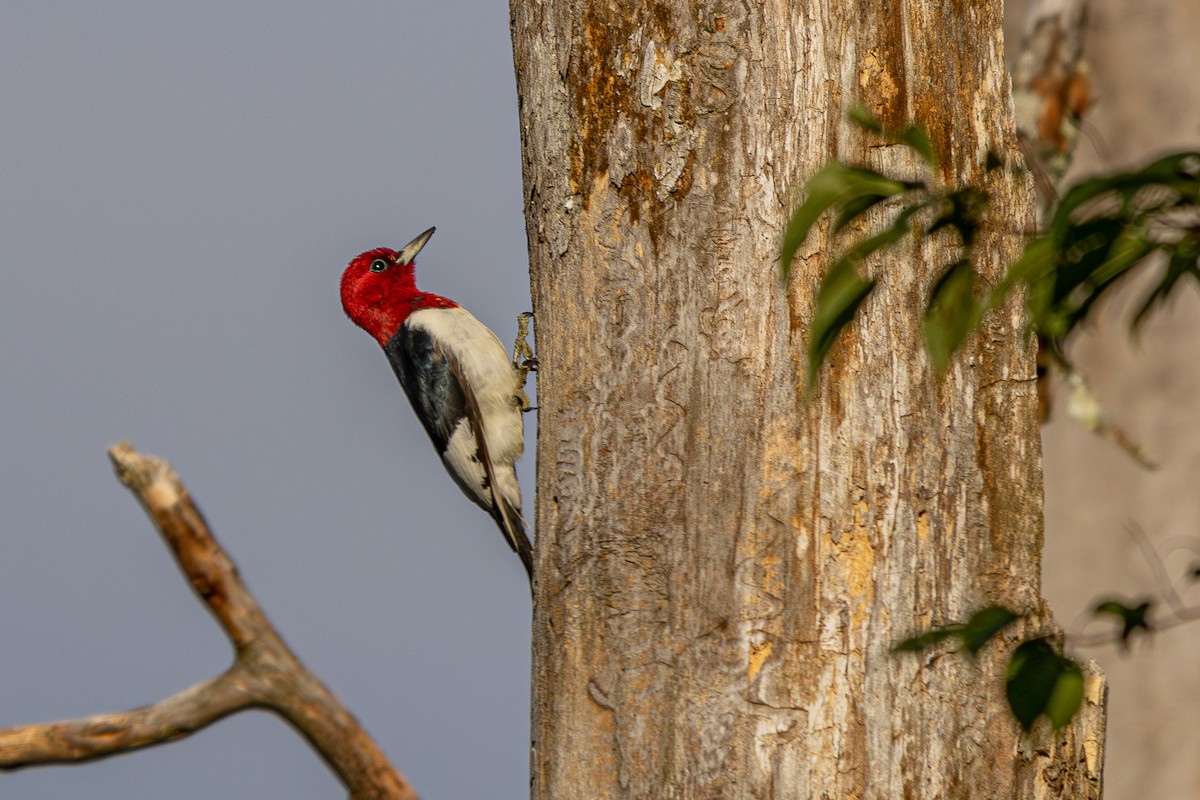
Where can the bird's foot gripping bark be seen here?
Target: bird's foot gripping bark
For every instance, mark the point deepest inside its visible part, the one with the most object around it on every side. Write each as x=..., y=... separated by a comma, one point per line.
x=523, y=361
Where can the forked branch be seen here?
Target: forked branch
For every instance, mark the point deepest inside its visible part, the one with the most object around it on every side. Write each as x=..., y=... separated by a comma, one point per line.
x=265, y=673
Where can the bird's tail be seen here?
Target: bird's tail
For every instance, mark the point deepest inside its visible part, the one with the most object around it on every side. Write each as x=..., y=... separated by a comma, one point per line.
x=513, y=526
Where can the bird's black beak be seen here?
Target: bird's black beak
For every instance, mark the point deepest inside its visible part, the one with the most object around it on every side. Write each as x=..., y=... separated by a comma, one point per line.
x=410, y=250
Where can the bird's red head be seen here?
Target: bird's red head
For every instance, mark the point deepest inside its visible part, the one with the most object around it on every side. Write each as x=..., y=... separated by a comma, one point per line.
x=379, y=291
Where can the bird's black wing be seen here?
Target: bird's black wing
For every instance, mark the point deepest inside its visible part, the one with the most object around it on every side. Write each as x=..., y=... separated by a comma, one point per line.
x=431, y=384
x=442, y=397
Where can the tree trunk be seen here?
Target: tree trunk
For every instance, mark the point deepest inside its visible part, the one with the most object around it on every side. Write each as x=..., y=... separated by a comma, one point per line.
x=723, y=562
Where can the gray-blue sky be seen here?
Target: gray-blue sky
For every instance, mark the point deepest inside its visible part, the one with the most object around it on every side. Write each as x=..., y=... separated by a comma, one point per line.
x=180, y=187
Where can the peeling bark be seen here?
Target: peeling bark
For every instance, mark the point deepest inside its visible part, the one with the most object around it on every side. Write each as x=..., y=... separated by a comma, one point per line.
x=723, y=560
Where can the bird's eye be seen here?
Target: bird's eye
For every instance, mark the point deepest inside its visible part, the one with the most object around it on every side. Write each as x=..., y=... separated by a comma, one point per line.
x=379, y=265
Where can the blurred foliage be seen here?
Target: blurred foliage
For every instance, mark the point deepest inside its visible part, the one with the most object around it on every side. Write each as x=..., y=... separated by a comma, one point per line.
x=972, y=635
x=1101, y=230
x=1040, y=681
x=1132, y=618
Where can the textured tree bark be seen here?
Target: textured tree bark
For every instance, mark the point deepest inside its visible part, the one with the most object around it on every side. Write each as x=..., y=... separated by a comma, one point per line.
x=723, y=561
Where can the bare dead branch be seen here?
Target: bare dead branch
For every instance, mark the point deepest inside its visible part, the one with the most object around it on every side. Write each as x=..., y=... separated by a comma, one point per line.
x=108, y=734
x=265, y=673
x=1085, y=408
x=1158, y=569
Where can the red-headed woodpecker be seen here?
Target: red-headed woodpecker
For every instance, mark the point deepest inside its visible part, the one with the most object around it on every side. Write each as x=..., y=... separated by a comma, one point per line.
x=456, y=374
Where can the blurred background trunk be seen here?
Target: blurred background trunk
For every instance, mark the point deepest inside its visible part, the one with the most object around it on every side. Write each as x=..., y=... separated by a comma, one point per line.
x=1144, y=62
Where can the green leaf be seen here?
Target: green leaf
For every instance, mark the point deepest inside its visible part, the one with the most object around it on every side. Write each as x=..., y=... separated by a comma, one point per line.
x=1100, y=254
x=1128, y=248
x=1033, y=268
x=864, y=119
x=912, y=135
x=923, y=641
x=1177, y=172
x=1043, y=681
x=855, y=209
x=835, y=185
x=1033, y=673
x=1133, y=618
x=1182, y=260
x=915, y=137
x=977, y=632
x=842, y=291
x=889, y=236
x=984, y=624
x=964, y=211
x=952, y=313
x=1060, y=297
x=1067, y=695
x=1084, y=254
